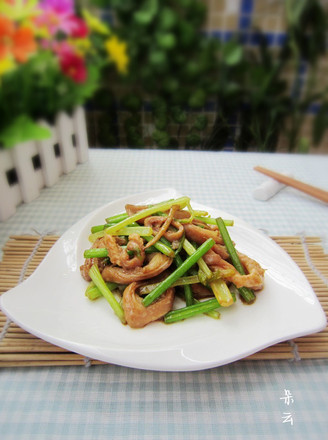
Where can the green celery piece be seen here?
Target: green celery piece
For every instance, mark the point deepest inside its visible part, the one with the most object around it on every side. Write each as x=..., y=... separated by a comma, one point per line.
x=92, y=292
x=163, y=206
x=246, y=293
x=219, y=286
x=181, y=270
x=191, y=311
x=117, y=218
x=222, y=292
x=96, y=277
x=183, y=281
x=95, y=253
x=161, y=247
x=134, y=228
x=215, y=314
x=128, y=221
x=98, y=228
x=189, y=248
x=143, y=231
x=212, y=221
x=187, y=289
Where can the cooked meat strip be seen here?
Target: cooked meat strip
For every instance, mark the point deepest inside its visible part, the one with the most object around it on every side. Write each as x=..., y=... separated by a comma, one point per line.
x=136, y=245
x=199, y=235
x=181, y=214
x=217, y=252
x=156, y=222
x=176, y=233
x=121, y=240
x=120, y=256
x=254, y=277
x=156, y=265
x=137, y=315
x=164, y=226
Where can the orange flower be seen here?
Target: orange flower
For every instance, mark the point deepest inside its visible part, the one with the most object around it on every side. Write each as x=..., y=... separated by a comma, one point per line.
x=7, y=30
x=19, y=42
x=23, y=44
x=6, y=26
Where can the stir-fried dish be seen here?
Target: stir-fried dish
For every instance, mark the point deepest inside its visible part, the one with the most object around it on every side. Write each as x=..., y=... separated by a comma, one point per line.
x=146, y=260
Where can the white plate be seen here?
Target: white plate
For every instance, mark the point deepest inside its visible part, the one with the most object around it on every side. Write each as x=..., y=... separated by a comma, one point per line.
x=51, y=305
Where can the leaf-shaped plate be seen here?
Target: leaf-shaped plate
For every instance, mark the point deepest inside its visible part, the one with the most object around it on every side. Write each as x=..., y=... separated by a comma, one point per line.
x=51, y=305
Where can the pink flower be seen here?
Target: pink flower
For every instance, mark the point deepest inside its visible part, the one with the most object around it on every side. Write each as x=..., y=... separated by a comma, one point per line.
x=79, y=28
x=60, y=7
x=73, y=66
x=58, y=15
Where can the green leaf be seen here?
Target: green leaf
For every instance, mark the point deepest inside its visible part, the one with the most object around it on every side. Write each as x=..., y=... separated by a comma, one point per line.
x=197, y=99
x=158, y=59
x=162, y=138
x=167, y=18
x=185, y=3
x=22, y=129
x=232, y=53
x=166, y=40
x=187, y=34
x=201, y=122
x=87, y=89
x=304, y=145
x=146, y=14
x=179, y=116
x=193, y=140
x=192, y=68
x=295, y=9
x=160, y=122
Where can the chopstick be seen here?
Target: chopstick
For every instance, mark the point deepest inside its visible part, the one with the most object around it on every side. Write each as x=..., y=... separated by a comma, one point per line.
x=301, y=186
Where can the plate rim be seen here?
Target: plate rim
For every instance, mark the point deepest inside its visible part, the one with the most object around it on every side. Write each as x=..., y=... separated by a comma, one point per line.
x=83, y=350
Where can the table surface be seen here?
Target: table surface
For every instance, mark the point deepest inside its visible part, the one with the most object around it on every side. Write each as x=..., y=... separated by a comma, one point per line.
x=243, y=400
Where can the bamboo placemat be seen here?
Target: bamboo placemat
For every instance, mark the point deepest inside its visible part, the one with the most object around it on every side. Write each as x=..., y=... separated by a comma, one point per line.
x=22, y=254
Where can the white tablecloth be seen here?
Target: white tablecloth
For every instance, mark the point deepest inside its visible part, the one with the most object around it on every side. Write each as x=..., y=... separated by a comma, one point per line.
x=243, y=400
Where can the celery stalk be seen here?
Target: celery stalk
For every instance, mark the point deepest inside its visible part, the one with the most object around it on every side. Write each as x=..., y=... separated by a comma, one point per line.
x=246, y=293
x=127, y=221
x=181, y=270
x=92, y=292
x=163, y=206
x=143, y=231
x=219, y=286
x=96, y=277
x=190, y=311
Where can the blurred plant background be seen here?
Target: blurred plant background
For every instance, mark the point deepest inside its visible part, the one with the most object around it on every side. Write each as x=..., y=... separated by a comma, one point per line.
x=244, y=74
x=249, y=75
x=52, y=53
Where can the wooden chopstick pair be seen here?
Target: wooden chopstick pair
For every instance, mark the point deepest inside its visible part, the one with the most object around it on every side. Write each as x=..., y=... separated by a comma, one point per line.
x=297, y=184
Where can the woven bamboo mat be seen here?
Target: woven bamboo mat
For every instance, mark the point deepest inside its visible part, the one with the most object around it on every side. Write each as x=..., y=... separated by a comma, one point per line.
x=22, y=254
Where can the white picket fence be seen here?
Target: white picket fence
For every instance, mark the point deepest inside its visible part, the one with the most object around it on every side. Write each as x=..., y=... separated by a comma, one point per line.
x=28, y=167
